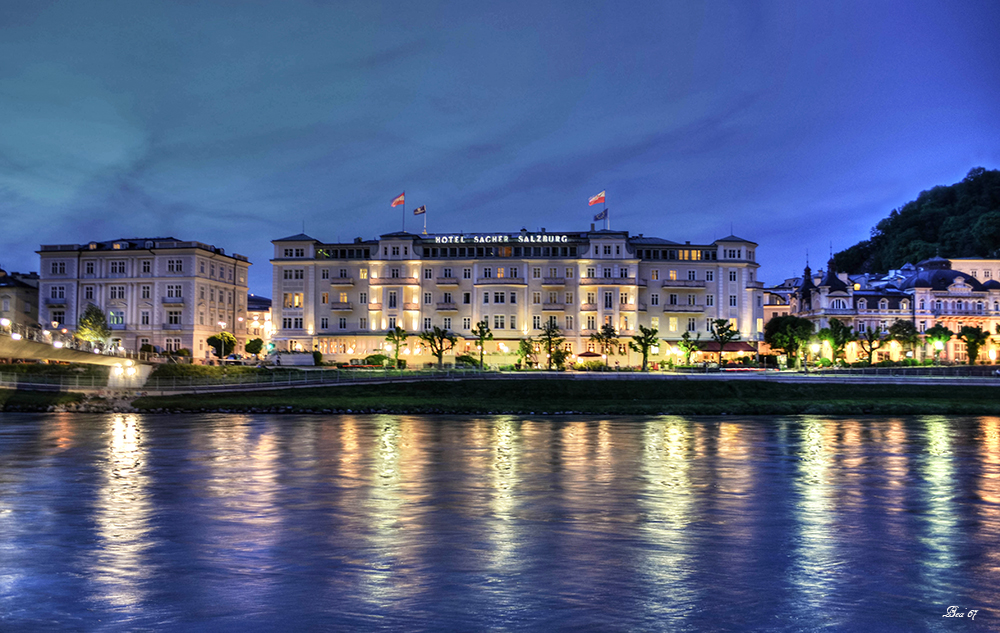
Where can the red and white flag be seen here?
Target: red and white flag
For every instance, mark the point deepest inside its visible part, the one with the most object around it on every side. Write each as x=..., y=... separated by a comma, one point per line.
x=598, y=199
x=401, y=199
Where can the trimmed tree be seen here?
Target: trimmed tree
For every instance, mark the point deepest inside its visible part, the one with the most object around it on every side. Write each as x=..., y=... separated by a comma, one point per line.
x=642, y=342
x=975, y=337
x=689, y=346
x=93, y=325
x=723, y=332
x=789, y=334
x=872, y=340
x=439, y=341
x=396, y=336
x=605, y=339
x=938, y=336
x=223, y=342
x=905, y=333
x=483, y=333
x=526, y=350
x=254, y=346
x=552, y=340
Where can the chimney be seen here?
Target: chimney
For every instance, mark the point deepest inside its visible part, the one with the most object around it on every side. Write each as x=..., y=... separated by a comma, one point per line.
x=591, y=226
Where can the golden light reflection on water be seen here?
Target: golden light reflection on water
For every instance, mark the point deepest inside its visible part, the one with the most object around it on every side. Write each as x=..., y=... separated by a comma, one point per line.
x=816, y=553
x=122, y=517
x=504, y=560
x=938, y=471
x=668, y=503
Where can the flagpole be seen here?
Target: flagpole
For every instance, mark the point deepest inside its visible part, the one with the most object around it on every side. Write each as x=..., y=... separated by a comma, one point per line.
x=404, y=212
x=425, y=221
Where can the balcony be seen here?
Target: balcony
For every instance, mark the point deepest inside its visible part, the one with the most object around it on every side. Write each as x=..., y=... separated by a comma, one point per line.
x=684, y=308
x=172, y=299
x=611, y=281
x=553, y=281
x=447, y=281
x=173, y=326
x=626, y=307
x=683, y=283
x=553, y=306
x=374, y=307
x=394, y=281
x=55, y=301
x=342, y=281
x=117, y=326
x=447, y=307
x=588, y=307
x=341, y=306
x=411, y=306
x=500, y=281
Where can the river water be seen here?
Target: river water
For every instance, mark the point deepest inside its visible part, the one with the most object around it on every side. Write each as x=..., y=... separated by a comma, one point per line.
x=409, y=523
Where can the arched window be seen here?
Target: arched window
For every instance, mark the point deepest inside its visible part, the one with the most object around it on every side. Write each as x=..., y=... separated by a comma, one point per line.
x=904, y=305
x=883, y=305
x=839, y=304
x=979, y=307
x=921, y=304
x=863, y=304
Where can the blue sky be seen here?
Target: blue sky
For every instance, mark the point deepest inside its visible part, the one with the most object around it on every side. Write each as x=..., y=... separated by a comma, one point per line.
x=794, y=124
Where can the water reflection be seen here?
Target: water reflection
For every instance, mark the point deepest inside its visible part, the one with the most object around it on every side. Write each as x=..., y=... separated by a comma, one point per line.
x=415, y=523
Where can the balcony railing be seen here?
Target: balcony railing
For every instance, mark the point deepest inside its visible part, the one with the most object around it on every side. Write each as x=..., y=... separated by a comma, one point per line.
x=588, y=307
x=374, y=306
x=683, y=283
x=394, y=281
x=553, y=281
x=342, y=281
x=341, y=305
x=683, y=308
x=55, y=301
x=447, y=281
x=447, y=306
x=611, y=281
x=173, y=326
x=411, y=306
x=172, y=299
x=553, y=306
x=498, y=281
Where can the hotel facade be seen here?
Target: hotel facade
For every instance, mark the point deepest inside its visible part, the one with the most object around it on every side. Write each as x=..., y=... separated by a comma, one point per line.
x=167, y=293
x=340, y=299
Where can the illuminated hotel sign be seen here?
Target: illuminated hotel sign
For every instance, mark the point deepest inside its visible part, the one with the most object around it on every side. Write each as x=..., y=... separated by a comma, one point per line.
x=523, y=238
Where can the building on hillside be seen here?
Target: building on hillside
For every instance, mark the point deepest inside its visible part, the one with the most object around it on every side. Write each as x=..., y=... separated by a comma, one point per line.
x=928, y=293
x=18, y=299
x=259, y=318
x=159, y=291
x=341, y=298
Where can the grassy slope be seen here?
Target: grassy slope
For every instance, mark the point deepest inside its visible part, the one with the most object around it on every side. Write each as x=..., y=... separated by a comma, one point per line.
x=16, y=400
x=607, y=397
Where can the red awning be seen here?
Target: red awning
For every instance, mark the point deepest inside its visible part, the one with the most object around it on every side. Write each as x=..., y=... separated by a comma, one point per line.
x=588, y=355
x=732, y=346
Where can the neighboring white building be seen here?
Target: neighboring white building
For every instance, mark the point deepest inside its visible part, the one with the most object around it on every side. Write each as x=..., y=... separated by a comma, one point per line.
x=161, y=291
x=341, y=298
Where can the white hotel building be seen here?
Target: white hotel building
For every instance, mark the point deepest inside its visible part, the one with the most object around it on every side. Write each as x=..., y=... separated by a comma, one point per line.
x=341, y=298
x=167, y=293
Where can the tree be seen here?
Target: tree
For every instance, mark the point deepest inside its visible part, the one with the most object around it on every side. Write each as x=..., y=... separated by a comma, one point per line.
x=689, y=346
x=526, y=350
x=606, y=339
x=254, y=346
x=483, y=333
x=938, y=336
x=223, y=342
x=93, y=325
x=788, y=333
x=552, y=340
x=440, y=341
x=723, y=332
x=397, y=337
x=872, y=339
x=838, y=335
x=642, y=342
x=974, y=337
x=905, y=333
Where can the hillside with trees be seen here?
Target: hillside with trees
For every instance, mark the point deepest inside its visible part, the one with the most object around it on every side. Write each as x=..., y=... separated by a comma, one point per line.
x=960, y=220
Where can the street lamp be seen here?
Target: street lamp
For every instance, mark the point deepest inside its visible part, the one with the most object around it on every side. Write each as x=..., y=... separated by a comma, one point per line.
x=938, y=346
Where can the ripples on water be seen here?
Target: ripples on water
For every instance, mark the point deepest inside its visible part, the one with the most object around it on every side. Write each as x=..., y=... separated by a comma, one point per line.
x=220, y=522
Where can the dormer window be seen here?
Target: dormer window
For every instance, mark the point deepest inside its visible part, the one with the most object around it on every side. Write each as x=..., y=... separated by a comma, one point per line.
x=862, y=304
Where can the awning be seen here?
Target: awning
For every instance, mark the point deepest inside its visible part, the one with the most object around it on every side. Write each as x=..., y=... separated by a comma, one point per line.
x=732, y=346
x=589, y=355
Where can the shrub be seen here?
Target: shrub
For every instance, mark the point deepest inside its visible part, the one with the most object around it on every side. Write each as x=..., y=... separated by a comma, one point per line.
x=183, y=352
x=376, y=359
x=317, y=358
x=824, y=362
x=146, y=348
x=466, y=359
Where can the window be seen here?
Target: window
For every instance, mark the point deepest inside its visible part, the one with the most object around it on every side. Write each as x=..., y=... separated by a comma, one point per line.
x=487, y=273
x=466, y=323
x=324, y=273
x=395, y=250
x=174, y=317
x=654, y=299
x=394, y=273
x=623, y=272
x=569, y=273
x=607, y=249
x=863, y=304
x=57, y=292
x=117, y=268
x=883, y=304
x=607, y=273
x=392, y=298
x=608, y=301
x=553, y=297
x=392, y=323
x=466, y=273
x=513, y=272
x=569, y=298
x=363, y=298
x=591, y=298
x=623, y=298
x=710, y=300
x=536, y=298
x=654, y=274
x=499, y=297
x=116, y=292
x=732, y=301
x=536, y=322
x=690, y=300
x=672, y=324
x=591, y=273
x=363, y=273
x=839, y=304
x=466, y=298
x=500, y=273
x=324, y=297
x=446, y=273
x=692, y=275
x=428, y=273
x=59, y=316
x=88, y=268
x=672, y=299
x=513, y=297
x=691, y=324
x=342, y=323
x=363, y=323
x=58, y=268
x=486, y=297
x=173, y=266
x=513, y=321
x=709, y=275
x=324, y=323
x=569, y=322
x=498, y=322
x=592, y=322
x=427, y=298
x=447, y=323
x=427, y=323
x=732, y=275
